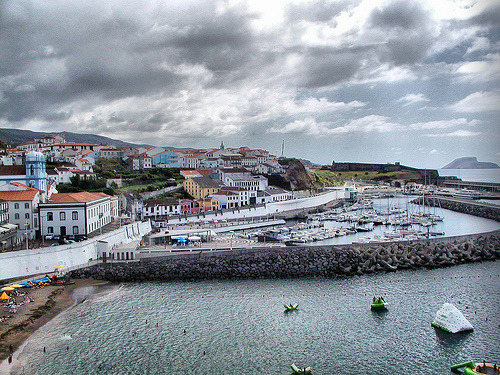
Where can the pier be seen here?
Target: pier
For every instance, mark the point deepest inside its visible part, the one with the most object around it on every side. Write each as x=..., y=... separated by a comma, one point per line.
x=483, y=186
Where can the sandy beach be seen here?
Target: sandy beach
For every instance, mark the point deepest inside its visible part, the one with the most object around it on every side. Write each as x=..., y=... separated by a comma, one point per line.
x=47, y=303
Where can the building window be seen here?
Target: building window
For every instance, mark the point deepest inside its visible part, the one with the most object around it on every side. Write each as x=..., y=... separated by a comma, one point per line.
x=50, y=216
x=16, y=206
x=74, y=215
x=62, y=216
x=75, y=230
x=16, y=216
x=26, y=216
x=26, y=205
x=50, y=230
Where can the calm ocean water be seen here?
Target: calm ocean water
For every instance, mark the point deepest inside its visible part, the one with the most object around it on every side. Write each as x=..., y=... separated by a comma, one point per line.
x=239, y=327
x=476, y=175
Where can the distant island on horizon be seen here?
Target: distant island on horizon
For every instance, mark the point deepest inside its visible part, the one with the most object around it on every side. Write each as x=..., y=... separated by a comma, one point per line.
x=470, y=163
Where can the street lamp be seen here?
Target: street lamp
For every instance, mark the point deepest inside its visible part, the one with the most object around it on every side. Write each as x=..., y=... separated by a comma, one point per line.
x=231, y=239
x=26, y=224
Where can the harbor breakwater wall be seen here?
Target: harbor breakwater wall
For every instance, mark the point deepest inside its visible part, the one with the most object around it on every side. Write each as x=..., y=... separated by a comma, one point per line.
x=304, y=261
x=487, y=211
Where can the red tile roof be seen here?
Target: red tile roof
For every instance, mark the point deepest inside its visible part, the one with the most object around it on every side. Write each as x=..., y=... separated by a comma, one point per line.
x=81, y=197
x=24, y=186
x=18, y=195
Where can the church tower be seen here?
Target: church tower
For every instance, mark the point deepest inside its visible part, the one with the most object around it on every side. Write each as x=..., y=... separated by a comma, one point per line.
x=221, y=146
x=36, y=175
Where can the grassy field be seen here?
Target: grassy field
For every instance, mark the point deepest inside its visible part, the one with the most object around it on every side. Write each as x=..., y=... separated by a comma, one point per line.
x=330, y=178
x=132, y=188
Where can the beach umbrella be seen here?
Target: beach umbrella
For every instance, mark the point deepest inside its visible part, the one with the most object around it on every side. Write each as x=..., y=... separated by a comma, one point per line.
x=58, y=266
x=4, y=296
x=16, y=286
x=8, y=288
x=194, y=238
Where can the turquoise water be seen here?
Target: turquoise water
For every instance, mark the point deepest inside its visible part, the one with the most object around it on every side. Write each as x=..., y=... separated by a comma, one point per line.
x=239, y=327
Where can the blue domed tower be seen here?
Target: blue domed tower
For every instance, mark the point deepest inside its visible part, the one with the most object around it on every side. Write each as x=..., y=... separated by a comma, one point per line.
x=36, y=175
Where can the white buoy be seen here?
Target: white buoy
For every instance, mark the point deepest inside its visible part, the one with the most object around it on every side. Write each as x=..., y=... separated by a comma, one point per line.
x=450, y=319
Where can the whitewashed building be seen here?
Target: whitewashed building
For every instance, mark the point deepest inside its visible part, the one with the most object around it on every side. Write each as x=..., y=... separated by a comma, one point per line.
x=22, y=210
x=81, y=213
x=274, y=194
x=241, y=177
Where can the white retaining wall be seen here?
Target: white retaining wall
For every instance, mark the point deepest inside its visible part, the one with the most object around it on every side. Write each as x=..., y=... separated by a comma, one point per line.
x=268, y=209
x=17, y=264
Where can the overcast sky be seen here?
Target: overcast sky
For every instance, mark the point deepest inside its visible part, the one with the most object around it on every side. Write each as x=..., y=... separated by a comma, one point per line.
x=355, y=80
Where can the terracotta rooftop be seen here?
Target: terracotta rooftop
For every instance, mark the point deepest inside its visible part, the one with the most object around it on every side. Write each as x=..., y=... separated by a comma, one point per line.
x=24, y=186
x=18, y=195
x=81, y=197
x=189, y=172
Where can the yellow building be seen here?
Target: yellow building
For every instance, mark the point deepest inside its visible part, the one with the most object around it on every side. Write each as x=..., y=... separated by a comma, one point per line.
x=208, y=204
x=201, y=187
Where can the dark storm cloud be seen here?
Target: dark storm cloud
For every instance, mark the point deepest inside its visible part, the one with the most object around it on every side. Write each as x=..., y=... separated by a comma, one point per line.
x=404, y=15
x=324, y=67
x=116, y=119
x=159, y=118
x=110, y=52
x=408, y=28
x=221, y=44
x=57, y=116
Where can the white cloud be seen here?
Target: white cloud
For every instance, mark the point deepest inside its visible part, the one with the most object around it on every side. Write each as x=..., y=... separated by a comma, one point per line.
x=479, y=44
x=480, y=101
x=483, y=70
x=412, y=99
x=443, y=124
x=457, y=133
x=323, y=105
x=309, y=126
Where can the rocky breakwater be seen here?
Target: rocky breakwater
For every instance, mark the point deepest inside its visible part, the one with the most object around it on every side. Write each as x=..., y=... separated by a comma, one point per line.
x=429, y=254
x=293, y=262
x=273, y=263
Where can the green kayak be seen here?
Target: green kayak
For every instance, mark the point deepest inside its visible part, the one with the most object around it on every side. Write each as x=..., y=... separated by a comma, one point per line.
x=307, y=370
x=290, y=307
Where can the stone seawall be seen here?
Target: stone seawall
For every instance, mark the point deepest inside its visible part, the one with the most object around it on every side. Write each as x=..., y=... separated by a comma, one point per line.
x=307, y=261
x=472, y=208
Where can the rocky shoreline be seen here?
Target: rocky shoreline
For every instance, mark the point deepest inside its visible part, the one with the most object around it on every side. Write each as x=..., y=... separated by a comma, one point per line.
x=304, y=261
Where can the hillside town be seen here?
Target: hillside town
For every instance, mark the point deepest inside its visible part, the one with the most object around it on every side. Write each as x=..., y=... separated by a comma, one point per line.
x=34, y=210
